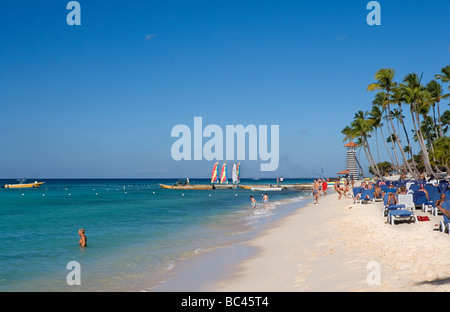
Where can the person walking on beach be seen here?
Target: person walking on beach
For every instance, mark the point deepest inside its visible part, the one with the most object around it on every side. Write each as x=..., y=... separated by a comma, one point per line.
x=337, y=188
x=265, y=199
x=316, y=191
x=83, y=239
x=253, y=203
x=324, y=187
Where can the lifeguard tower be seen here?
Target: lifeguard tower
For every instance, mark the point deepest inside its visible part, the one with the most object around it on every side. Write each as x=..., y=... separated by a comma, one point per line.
x=352, y=162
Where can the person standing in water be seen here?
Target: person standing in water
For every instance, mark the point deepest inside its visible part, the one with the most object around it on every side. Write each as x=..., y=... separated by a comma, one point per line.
x=253, y=203
x=265, y=199
x=83, y=239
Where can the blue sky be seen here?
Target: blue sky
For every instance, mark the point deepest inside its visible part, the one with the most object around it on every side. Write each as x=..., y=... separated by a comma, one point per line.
x=100, y=99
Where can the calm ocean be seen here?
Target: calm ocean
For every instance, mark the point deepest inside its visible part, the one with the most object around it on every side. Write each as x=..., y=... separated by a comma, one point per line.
x=137, y=233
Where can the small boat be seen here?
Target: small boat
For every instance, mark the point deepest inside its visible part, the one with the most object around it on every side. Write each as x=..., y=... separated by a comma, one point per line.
x=23, y=185
x=266, y=189
x=187, y=187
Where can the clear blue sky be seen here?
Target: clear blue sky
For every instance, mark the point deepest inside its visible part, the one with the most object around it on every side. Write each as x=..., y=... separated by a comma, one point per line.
x=100, y=99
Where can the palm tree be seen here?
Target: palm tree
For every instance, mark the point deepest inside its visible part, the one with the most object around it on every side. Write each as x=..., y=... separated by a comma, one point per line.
x=360, y=128
x=385, y=81
x=445, y=77
x=417, y=97
x=375, y=119
x=435, y=90
x=441, y=152
x=380, y=101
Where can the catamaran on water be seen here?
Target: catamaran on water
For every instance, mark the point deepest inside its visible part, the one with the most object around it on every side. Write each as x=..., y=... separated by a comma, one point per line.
x=216, y=182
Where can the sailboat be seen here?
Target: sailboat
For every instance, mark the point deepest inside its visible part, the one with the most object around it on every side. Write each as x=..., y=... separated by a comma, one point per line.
x=223, y=174
x=235, y=174
x=215, y=173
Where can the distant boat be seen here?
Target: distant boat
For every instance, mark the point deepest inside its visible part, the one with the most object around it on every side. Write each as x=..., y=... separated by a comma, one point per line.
x=235, y=174
x=266, y=189
x=223, y=174
x=187, y=187
x=21, y=185
x=215, y=173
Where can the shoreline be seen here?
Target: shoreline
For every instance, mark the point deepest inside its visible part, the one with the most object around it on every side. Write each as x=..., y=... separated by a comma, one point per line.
x=335, y=246
x=201, y=272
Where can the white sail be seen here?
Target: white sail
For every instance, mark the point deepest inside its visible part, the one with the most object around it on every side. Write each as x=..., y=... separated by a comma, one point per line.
x=234, y=174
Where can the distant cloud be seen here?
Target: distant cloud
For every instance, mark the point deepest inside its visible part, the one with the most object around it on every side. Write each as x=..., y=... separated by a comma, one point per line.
x=149, y=37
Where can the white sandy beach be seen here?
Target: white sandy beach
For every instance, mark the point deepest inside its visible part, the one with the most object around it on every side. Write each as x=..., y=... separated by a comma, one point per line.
x=328, y=247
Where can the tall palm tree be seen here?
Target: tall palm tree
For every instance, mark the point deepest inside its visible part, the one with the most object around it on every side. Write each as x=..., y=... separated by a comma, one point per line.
x=417, y=97
x=397, y=113
x=437, y=94
x=380, y=101
x=445, y=77
x=375, y=119
x=385, y=81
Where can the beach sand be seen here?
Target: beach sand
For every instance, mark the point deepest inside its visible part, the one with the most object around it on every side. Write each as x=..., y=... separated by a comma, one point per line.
x=340, y=246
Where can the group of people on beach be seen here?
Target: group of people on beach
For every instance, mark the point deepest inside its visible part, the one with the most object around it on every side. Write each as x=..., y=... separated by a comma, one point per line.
x=401, y=189
x=319, y=188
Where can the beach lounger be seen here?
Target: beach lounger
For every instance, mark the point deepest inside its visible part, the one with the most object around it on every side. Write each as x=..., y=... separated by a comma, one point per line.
x=367, y=196
x=401, y=214
x=356, y=191
x=444, y=225
x=420, y=198
x=406, y=200
x=414, y=187
x=432, y=203
x=387, y=208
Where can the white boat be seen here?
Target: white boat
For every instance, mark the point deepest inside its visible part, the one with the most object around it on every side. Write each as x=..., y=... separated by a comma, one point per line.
x=266, y=189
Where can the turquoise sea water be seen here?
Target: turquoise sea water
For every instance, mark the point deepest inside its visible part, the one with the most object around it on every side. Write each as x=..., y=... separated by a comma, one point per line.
x=137, y=233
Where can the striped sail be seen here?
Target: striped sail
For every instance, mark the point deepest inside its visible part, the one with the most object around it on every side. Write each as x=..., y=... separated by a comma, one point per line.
x=215, y=173
x=234, y=174
x=223, y=174
x=238, y=172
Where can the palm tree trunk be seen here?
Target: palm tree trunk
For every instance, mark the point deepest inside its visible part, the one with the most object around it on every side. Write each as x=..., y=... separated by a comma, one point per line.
x=439, y=119
x=377, y=172
x=387, y=149
x=396, y=139
x=372, y=165
x=393, y=147
x=426, y=159
x=410, y=148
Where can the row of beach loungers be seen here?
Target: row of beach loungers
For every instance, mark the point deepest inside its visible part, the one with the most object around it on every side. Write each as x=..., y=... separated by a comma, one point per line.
x=406, y=204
